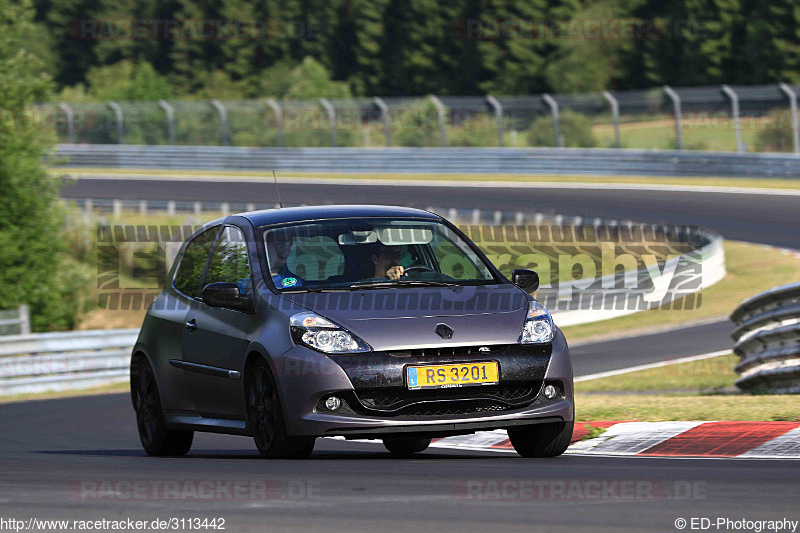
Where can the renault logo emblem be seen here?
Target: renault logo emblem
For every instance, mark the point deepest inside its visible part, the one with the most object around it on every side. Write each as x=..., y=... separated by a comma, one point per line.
x=444, y=331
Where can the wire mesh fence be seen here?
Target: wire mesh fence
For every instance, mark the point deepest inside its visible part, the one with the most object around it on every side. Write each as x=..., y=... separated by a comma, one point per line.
x=759, y=118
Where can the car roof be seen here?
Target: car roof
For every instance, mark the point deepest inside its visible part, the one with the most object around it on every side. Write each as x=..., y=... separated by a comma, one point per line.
x=323, y=212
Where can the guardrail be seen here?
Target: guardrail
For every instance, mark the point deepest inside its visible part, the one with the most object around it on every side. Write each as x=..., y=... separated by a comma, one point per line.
x=577, y=161
x=768, y=341
x=45, y=362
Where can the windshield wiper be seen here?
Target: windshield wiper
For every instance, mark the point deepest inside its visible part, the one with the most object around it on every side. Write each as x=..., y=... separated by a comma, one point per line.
x=403, y=283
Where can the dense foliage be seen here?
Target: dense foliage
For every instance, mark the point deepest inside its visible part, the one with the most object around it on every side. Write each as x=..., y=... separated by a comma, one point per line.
x=405, y=47
x=34, y=266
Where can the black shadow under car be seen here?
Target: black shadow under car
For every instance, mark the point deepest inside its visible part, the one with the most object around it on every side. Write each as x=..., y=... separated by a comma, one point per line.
x=364, y=322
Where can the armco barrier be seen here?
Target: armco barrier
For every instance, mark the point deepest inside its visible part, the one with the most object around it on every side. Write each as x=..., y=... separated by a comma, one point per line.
x=62, y=361
x=589, y=161
x=768, y=341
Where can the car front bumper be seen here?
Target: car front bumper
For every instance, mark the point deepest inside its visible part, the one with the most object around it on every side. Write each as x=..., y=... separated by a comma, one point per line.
x=305, y=377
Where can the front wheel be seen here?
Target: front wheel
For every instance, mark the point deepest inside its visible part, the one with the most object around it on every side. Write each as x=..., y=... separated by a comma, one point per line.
x=542, y=440
x=406, y=446
x=153, y=433
x=265, y=417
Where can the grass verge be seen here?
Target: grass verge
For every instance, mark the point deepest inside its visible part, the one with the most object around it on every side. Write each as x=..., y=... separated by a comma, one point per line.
x=102, y=389
x=661, y=407
x=760, y=183
x=694, y=395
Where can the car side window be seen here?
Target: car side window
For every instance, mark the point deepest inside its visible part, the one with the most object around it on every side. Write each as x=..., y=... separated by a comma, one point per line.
x=229, y=260
x=190, y=270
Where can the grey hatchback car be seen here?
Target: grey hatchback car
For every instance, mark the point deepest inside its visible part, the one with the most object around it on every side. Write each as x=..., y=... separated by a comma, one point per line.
x=364, y=322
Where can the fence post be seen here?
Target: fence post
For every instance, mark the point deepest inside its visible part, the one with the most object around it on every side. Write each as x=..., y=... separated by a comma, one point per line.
x=331, y=118
x=24, y=320
x=498, y=113
x=440, y=112
x=551, y=102
x=387, y=131
x=120, y=126
x=70, y=123
x=734, y=98
x=790, y=94
x=223, y=121
x=615, y=112
x=170, y=111
x=278, y=112
x=676, y=106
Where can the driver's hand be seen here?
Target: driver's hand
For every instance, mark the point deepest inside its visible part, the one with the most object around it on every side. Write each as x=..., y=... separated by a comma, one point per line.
x=396, y=272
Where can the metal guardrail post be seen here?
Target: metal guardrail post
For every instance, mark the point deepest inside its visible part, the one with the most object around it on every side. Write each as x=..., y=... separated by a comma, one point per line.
x=498, y=113
x=331, y=118
x=70, y=122
x=734, y=98
x=553, y=105
x=790, y=94
x=277, y=110
x=120, y=125
x=24, y=320
x=223, y=121
x=676, y=106
x=387, y=131
x=170, y=111
x=440, y=111
x=615, y=112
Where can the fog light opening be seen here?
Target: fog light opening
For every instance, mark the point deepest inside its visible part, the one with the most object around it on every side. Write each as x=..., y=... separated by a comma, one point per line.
x=550, y=392
x=333, y=403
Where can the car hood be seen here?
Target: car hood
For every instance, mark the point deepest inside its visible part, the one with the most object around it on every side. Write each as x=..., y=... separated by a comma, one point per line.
x=389, y=319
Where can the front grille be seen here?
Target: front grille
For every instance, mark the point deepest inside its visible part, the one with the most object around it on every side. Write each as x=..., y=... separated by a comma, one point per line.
x=466, y=350
x=454, y=408
x=394, y=398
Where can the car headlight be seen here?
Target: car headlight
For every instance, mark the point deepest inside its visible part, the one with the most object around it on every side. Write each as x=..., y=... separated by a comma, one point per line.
x=538, y=328
x=321, y=334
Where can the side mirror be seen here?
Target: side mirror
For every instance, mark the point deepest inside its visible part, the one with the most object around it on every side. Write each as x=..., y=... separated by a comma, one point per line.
x=226, y=294
x=527, y=280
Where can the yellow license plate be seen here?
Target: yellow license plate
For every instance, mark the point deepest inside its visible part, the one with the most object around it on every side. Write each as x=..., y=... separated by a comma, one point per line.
x=460, y=375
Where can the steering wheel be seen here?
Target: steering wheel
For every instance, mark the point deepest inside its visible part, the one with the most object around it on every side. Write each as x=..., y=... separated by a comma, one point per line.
x=418, y=268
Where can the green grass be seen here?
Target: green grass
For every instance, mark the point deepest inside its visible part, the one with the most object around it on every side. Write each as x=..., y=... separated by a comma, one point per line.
x=752, y=268
x=661, y=407
x=694, y=395
x=113, y=388
x=770, y=183
x=705, y=375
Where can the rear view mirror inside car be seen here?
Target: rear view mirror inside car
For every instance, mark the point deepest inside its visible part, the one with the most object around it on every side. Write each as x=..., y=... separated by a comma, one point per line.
x=399, y=236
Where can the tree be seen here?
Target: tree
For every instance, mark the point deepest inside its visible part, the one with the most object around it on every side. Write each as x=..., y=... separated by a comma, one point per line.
x=34, y=268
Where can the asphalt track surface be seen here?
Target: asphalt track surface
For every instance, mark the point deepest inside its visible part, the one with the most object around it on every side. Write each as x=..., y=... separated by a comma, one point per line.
x=54, y=454
x=760, y=218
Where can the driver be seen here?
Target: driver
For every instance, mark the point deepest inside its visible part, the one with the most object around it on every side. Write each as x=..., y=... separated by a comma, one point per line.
x=279, y=245
x=386, y=261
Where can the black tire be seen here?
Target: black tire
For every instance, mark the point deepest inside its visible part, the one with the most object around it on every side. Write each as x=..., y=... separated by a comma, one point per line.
x=406, y=446
x=542, y=440
x=156, y=439
x=265, y=418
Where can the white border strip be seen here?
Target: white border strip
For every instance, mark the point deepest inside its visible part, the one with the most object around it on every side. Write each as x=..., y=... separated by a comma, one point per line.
x=652, y=365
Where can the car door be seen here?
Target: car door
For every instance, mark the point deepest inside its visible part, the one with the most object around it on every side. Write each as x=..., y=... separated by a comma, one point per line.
x=216, y=338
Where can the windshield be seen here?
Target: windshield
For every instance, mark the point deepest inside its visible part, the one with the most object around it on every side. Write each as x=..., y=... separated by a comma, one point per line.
x=370, y=253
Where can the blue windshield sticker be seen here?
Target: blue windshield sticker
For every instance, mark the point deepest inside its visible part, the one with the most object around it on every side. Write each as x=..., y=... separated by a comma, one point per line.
x=288, y=282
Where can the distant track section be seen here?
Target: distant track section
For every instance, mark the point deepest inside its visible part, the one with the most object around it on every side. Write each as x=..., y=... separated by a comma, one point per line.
x=589, y=161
